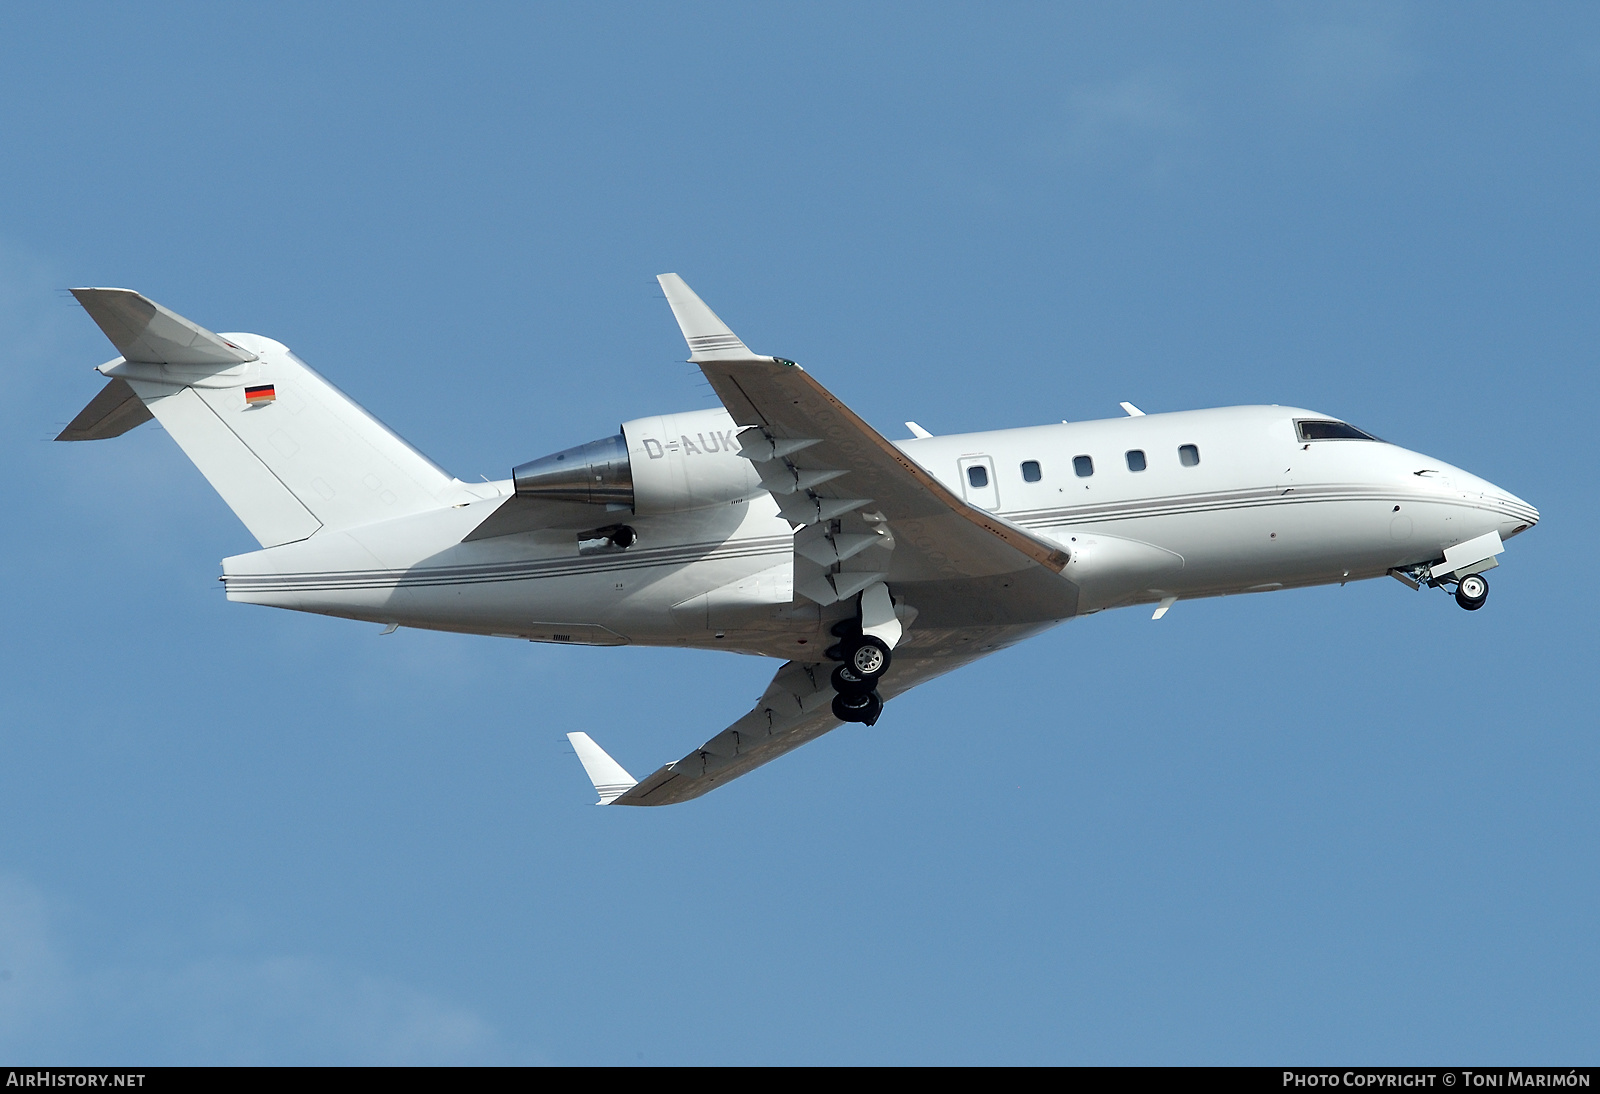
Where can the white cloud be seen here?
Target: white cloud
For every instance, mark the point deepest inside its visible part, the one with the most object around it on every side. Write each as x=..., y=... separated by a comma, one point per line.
x=33, y=981
x=1141, y=123
x=1138, y=104
x=280, y=1009
x=265, y=1010
x=1345, y=64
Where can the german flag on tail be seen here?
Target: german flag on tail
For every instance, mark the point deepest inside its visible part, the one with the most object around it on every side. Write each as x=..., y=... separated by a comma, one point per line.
x=255, y=396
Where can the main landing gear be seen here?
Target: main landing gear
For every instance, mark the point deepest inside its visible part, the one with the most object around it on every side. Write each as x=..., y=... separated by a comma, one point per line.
x=863, y=659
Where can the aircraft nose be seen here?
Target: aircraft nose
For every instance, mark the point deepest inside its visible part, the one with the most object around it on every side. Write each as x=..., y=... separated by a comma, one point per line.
x=1516, y=514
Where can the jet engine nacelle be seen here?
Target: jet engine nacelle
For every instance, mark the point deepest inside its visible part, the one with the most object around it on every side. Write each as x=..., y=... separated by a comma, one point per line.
x=663, y=464
x=687, y=461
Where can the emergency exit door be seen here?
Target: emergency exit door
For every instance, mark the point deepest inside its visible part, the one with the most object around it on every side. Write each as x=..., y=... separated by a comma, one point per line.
x=977, y=482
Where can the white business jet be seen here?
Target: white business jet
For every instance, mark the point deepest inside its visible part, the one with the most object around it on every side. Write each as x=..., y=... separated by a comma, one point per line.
x=781, y=524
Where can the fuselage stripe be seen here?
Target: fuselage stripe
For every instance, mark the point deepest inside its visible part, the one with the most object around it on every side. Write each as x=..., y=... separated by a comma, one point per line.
x=1222, y=501
x=778, y=546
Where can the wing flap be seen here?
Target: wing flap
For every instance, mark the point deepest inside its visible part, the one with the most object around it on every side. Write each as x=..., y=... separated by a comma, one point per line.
x=797, y=707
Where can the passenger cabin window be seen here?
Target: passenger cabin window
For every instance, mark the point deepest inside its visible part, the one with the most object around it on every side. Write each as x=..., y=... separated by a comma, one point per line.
x=1331, y=431
x=1083, y=465
x=1136, y=459
x=1030, y=471
x=978, y=476
x=1188, y=455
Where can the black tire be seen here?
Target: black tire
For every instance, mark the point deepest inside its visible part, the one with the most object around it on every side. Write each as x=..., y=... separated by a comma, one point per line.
x=1472, y=591
x=858, y=708
x=846, y=682
x=867, y=657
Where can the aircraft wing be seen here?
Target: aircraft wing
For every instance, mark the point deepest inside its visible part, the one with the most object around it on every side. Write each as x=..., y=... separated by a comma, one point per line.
x=795, y=708
x=871, y=519
x=871, y=513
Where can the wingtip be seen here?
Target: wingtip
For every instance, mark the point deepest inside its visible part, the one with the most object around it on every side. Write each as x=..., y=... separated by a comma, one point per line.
x=88, y=295
x=611, y=780
x=709, y=338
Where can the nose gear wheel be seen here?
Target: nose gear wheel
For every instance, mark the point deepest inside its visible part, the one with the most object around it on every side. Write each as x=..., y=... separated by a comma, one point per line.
x=1472, y=591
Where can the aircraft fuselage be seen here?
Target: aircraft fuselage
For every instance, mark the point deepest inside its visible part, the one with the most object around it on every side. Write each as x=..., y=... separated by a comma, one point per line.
x=1191, y=504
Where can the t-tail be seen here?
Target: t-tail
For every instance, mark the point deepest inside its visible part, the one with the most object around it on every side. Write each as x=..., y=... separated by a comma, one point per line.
x=289, y=452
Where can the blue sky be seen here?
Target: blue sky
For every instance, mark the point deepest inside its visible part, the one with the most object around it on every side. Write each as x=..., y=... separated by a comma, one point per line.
x=1350, y=823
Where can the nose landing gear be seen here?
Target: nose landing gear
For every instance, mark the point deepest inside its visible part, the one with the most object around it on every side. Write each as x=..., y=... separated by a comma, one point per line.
x=1472, y=591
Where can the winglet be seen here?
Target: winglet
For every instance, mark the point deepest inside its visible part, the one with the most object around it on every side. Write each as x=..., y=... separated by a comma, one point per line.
x=143, y=330
x=608, y=776
x=709, y=337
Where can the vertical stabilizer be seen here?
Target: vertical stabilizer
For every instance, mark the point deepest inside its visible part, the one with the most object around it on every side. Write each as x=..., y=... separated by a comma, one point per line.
x=289, y=452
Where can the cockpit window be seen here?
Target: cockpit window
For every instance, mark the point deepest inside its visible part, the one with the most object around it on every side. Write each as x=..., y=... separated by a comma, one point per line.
x=1331, y=431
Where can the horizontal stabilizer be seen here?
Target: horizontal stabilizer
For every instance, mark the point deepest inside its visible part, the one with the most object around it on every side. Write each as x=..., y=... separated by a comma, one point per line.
x=608, y=776
x=144, y=331
x=109, y=414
